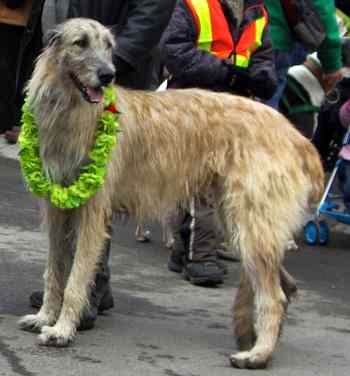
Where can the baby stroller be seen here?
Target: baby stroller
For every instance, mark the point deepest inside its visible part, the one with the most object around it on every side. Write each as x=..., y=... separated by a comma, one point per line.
x=316, y=231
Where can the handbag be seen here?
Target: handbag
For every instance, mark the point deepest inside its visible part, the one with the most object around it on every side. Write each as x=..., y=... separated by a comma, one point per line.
x=305, y=22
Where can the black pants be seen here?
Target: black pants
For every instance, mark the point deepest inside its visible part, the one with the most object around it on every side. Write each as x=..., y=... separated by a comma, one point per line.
x=194, y=230
x=103, y=275
x=10, y=39
x=15, y=70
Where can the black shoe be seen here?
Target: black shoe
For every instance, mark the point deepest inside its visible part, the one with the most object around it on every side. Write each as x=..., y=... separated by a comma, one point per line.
x=36, y=299
x=176, y=262
x=100, y=300
x=222, y=266
x=107, y=301
x=203, y=273
x=89, y=317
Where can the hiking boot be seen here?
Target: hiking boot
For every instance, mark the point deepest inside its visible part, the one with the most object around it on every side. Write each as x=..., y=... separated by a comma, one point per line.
x=107, y=301
x=204, y=273
x=176, y=263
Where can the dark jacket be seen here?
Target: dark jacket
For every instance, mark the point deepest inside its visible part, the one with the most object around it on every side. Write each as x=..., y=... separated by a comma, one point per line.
x=138, y=26
x=190, y=66
x=343, y=5
x=30, y=45
x=26, y=45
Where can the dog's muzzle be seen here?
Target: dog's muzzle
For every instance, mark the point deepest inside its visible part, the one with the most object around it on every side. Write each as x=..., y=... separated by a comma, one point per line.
x=89, y=93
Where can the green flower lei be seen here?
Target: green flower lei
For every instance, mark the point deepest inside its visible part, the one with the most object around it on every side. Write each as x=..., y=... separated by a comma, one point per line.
x=92, y=176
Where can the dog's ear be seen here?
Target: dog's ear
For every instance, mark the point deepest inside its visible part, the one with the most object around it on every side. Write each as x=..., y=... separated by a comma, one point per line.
x=52, y=37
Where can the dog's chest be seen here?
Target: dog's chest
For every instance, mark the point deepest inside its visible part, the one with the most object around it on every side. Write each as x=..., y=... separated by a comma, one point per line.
x=64, y=148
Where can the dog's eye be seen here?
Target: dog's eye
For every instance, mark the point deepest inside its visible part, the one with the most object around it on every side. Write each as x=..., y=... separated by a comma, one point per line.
x=82, y=43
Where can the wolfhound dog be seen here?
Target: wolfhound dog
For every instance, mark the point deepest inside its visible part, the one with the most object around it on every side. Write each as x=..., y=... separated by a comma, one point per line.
x=173, y=145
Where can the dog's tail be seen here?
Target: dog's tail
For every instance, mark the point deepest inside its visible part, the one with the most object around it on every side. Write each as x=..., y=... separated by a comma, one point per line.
x=313, y=168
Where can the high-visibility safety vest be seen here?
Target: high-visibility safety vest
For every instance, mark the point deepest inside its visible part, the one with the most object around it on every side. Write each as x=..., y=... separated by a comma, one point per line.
x=214, y=33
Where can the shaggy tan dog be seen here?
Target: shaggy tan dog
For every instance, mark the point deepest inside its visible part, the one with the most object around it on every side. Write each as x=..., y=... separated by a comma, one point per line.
x=173, y=145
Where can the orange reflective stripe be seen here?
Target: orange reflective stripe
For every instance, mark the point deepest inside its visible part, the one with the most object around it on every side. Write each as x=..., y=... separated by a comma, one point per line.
x=214, y=34
x=250, y=41
x=223, y=44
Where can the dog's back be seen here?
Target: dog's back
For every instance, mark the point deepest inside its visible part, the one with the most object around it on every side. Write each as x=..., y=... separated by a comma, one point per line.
x=201, y=135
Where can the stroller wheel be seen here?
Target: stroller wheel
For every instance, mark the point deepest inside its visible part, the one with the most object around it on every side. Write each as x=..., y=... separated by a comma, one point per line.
x=311, y=233
x=323, y=233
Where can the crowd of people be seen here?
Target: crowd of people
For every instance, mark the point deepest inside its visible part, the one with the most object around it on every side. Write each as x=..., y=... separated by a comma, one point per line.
x=244, y=47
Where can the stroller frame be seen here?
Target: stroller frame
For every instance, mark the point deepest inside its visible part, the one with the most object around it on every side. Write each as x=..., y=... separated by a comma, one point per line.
x=317, y=230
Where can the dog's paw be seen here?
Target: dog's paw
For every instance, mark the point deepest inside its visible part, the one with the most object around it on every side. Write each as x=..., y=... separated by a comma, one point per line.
x=33, y=323
x=55, y=336
x=249, y=360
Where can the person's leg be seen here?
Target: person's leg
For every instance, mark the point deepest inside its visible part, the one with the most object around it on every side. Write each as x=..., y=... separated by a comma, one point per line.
x=304, y=123
x=282, y=63
x=23, y=68
x=202, y=266
x=179, y=223
x=327, y=135
x=344, y=183
x=9, y=46
x=142, y=234
x=298, y=54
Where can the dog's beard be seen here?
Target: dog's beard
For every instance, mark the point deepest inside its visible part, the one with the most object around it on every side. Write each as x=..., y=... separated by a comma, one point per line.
x=89, y=93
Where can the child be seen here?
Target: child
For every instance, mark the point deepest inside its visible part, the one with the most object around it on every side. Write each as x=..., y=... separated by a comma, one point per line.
x=344, y=169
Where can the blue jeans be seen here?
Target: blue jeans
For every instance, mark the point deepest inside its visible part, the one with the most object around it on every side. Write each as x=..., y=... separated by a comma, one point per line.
x=284, y=60
x=282, y=63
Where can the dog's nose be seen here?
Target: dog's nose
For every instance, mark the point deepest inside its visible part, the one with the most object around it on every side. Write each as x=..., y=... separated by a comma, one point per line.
x=105, y=75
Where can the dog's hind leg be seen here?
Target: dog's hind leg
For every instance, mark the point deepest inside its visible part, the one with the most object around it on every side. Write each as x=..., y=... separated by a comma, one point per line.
x=288, y=284
x=244, y=308
x=243, y=314
x=261, y=263
x=58, y=261
x=91, y=236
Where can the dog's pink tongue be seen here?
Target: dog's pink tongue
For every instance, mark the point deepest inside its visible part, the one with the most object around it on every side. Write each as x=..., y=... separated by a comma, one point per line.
x=95, y=95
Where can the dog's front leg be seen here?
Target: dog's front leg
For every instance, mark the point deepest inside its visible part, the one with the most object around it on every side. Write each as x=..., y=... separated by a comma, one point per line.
x=90, y=241
x=57, y=265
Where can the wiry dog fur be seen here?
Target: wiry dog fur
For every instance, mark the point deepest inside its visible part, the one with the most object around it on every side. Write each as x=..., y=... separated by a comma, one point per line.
x=173, y=145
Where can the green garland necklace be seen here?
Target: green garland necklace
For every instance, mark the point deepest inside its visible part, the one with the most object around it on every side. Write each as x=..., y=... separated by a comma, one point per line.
x=92, y=176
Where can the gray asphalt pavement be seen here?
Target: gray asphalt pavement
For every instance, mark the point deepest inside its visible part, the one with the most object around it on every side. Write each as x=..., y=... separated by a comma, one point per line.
x=162, y=325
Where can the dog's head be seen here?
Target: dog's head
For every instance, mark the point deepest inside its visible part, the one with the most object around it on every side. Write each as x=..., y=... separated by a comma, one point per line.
x=82, y=50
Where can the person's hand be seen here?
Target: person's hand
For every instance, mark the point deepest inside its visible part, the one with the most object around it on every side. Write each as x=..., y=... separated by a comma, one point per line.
x=237, y=79
x=330, y=79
